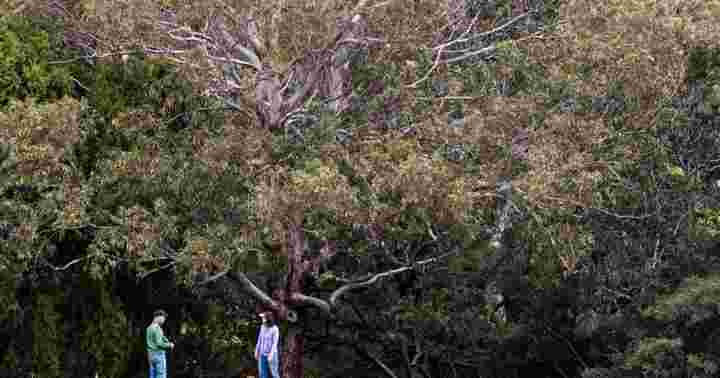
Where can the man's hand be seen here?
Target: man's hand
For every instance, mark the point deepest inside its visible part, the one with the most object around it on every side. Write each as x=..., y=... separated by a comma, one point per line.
x=256, y=356
x=172, y=345
x=270, y=357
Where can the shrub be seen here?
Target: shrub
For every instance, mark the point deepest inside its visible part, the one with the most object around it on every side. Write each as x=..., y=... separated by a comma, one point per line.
x=24, y=68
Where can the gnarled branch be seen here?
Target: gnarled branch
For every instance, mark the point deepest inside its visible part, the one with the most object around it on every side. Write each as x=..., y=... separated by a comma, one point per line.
x=335, y=296
x=247, y=284
x=329, y=306
x=307, y=299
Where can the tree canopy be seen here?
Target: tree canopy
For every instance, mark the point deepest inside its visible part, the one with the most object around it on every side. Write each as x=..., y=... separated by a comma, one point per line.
x=479, y=188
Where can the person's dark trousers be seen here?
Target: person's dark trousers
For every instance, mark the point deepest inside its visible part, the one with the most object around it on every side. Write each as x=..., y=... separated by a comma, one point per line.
x=158, y=365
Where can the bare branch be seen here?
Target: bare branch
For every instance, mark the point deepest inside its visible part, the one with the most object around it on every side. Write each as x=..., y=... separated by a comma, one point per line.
x=483, y=34
x=76, y=81
x=146, y=274
x=335, y=296
x=212, y=278
x=484, y=50
x=432, y=234
x=656, y=254
x=606, y=212
x=238, y=276
x=418, y=354
x=379, y=363
x=92, y=56
x=291, y=76
x=218, y=44
x=677, y=226
x=255, y=63
x=443, y=47
x=71, y=263
x=324, y=305
x=306, y=299
x=439, y=55
x=254, y=290
x=427, y=75
x=381, y=4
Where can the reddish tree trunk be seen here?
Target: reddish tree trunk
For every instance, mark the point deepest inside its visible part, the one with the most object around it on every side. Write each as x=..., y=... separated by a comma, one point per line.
x=292, y=366
x=293, y=361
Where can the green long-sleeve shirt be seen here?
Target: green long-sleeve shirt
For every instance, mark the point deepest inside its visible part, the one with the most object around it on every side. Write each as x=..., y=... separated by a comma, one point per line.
x=155, y=339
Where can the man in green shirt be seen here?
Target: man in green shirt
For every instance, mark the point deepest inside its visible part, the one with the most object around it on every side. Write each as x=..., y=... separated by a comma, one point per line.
x=157, y=344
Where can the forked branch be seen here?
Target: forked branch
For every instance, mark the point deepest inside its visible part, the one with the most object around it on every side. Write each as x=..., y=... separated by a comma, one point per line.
x=238, y=276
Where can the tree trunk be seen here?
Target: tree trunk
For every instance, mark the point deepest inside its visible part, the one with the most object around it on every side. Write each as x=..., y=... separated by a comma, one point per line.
x=294, y=341
x=293, y=361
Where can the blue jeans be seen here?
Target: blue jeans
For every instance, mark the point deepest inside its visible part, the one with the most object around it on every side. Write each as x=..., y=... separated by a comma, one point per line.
x=158, y=365
x=269, y=369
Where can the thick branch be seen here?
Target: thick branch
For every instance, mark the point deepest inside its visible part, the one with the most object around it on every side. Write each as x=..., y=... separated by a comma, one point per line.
x=298, y=298
x=310, y=300
x=328, y=307
x=250, y=287
x=255, y=291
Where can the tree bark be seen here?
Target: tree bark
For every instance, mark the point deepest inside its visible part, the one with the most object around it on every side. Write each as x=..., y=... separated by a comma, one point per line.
x=293, y=361
x=292, y=366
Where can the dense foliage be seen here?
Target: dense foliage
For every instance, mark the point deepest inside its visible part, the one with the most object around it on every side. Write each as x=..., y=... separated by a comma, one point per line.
x=433, y=188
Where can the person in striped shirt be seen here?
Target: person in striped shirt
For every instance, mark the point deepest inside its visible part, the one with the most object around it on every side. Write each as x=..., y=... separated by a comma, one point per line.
x=267, y=351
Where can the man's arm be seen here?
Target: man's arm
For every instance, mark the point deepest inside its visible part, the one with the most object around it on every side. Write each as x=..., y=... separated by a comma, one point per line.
x=161, y=340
